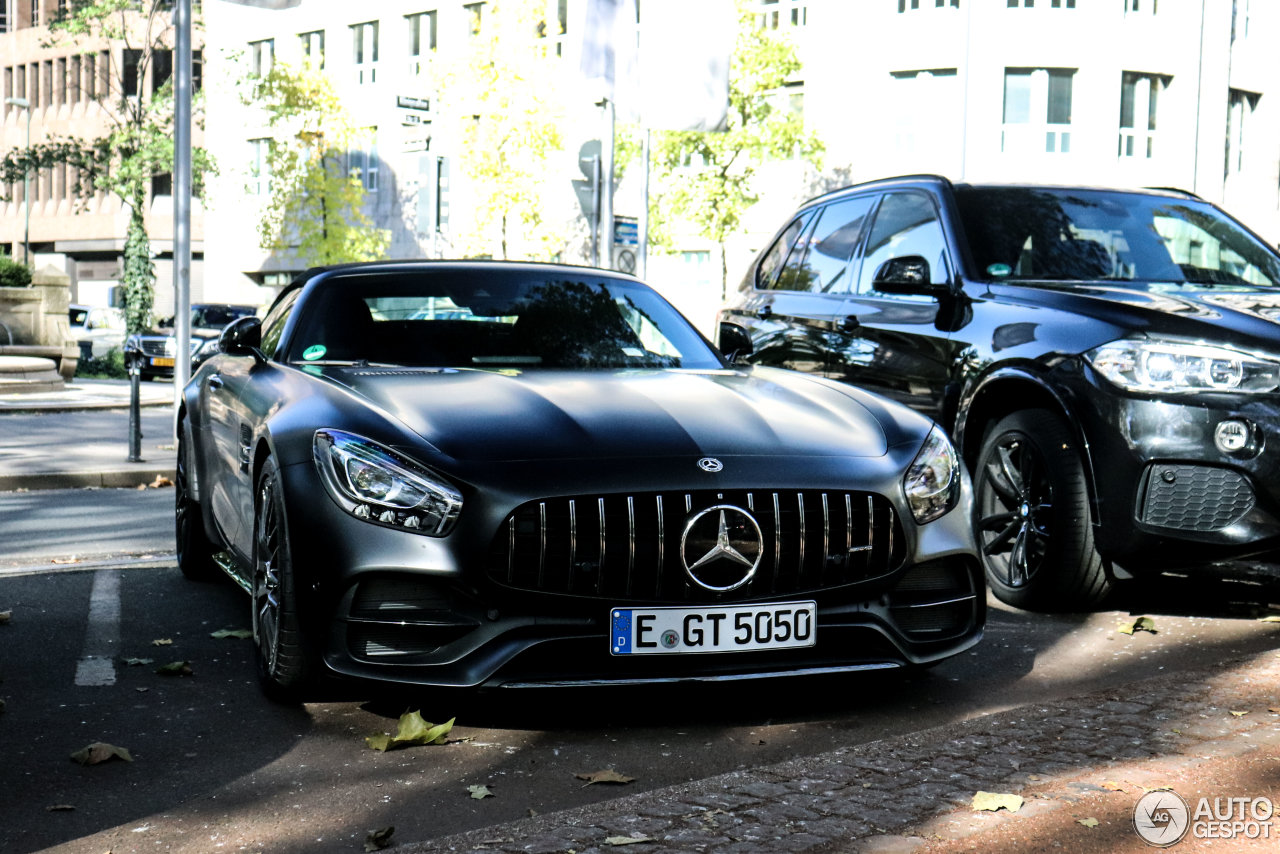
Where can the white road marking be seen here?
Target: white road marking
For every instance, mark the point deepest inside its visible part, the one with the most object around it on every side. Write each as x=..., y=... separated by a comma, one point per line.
x=97, y=664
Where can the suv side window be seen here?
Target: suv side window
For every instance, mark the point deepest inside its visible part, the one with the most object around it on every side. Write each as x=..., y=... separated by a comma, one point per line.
x=273, y=324
x=771, y=263
x=833, y=242
x=906, y=223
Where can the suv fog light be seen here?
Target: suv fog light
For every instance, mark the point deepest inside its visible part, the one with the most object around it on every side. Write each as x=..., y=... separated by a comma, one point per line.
x=1232, y=436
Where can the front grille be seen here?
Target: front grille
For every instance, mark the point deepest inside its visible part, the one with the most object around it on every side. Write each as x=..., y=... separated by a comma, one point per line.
x=627, y=547
x=154, y=347
x=1195, y=498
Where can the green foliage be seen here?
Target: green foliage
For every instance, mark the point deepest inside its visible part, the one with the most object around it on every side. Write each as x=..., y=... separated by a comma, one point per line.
x=109, y=366
x=714, y=196
x=13, y=274
x=139, y=275
x=314, y=206
x=505, y=97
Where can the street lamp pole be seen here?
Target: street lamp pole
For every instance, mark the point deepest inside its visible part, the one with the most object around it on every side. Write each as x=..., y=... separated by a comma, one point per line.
x=26, y=183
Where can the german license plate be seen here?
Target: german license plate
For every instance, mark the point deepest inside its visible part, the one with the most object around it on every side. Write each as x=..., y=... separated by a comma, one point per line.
x=162, y=363
x=740, y=628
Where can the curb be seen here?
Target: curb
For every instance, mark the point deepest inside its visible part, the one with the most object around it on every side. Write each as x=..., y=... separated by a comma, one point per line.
x=888, y=795
x=119, y=479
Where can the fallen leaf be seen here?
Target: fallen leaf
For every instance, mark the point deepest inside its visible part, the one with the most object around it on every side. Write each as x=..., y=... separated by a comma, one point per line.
x=1142, y=624
x=480, y=792
x=160, y=481
x=626, y=840
x=1239, y=714
x=1087, y=822
x=59, y=808
x=412, y=730
x=162, y=642
x=137, y=662
x=99, y=752
x=378, y=839
x=140, y=487
x=993, y=801
x=63, y=561
x=1112, y=786
x=608, y=775
x=222, y=634
x=175, y=668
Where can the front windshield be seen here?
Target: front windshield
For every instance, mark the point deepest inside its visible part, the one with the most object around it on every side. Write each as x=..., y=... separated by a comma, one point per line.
x=218, y=316
x=1050, y=234
x=494, y=318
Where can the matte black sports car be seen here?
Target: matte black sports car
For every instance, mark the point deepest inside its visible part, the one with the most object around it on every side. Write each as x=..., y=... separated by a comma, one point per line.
x=478, y=473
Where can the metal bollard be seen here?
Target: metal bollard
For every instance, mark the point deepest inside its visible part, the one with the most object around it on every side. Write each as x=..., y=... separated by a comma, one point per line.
x=133, y=362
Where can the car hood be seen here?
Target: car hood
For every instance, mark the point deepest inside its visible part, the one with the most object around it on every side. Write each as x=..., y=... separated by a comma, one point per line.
x=1236, y=312
x=494, y=415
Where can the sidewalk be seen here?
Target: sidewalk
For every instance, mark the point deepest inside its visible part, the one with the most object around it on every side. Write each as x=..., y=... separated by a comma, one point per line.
x=78, y=436
x=1080, y=765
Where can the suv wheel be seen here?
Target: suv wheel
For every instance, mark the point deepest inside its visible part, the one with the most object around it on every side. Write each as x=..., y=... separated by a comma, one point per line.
x=1032, y=516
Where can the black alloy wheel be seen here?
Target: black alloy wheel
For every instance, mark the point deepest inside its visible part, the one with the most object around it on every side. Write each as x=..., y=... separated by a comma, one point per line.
x=284, y=660
x=195, y=551
x=1032, y=516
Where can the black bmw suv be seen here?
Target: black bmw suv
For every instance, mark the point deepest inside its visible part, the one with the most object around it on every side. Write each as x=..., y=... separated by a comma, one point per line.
x=1108, y=361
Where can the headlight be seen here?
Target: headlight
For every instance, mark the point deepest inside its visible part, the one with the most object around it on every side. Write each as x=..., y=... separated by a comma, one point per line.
x=932, y=483
x=1171, y=367
x=205, y=348
x=170, y=346
x=377, y=485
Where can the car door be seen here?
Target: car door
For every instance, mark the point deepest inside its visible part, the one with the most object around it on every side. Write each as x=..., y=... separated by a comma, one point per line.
x=891, y=343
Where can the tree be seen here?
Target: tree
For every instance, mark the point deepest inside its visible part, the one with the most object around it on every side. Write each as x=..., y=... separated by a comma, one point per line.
x=315, y=204
x=138, y=142
x=503, y=95
x=706, y=178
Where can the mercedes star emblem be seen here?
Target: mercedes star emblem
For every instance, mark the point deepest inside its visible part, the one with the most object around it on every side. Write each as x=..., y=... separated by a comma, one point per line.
x=710, y=464
x=721, y=548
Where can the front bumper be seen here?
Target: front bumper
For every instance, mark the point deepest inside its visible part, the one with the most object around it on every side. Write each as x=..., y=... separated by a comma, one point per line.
x=1167, y=495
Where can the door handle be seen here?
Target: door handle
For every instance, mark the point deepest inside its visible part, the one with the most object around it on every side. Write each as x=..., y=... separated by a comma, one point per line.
x=215, y=382
x=850, y=323
x=765, y=312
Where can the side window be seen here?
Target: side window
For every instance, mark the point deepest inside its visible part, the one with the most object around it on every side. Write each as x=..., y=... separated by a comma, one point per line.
x=771, y=263
x=905, y=224
x=833, y=242
x=273, y=324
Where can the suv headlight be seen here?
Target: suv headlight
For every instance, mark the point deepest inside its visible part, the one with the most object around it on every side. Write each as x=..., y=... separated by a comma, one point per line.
x=1171, y=367
x=378, y=485
x=932, y=482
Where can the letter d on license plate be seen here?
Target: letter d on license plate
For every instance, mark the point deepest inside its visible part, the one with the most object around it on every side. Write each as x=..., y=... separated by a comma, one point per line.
x=650, y=631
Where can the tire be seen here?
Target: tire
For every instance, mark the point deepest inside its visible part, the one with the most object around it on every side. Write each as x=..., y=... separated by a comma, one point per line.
x=195, y=551
x=1032, y=517
x=284, y=658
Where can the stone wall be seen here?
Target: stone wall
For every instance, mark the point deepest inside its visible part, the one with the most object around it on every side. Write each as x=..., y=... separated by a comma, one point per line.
x=34, y=322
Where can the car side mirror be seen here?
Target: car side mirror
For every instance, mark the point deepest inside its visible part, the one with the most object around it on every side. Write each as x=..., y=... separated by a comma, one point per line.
x=908, y=274
x=735, y=342
x=242, y=337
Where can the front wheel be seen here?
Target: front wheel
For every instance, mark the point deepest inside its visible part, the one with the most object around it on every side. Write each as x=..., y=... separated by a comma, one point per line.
x=284, y=657
x=1032, y=516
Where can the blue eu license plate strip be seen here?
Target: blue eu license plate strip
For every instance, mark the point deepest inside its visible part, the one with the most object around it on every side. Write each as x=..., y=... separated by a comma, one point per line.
x=741, y=628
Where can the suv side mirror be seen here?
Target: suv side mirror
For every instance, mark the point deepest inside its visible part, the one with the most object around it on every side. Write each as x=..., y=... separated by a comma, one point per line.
x=735, y=342
x=242, y=337
x=906, y=275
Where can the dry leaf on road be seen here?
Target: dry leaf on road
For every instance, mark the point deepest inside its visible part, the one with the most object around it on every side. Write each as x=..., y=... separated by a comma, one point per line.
x=1087, y=822
x=992, y=801
x=608, y=775
x=480, y=792
x=1141, y=624
x=100, y=752
x=412, y=729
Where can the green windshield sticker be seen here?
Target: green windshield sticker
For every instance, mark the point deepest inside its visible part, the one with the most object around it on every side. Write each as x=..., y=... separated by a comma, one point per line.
x=315, y=351
x=999, y=270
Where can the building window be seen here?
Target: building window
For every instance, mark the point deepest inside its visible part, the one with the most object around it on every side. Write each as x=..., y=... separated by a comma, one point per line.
x=131, y=58
x=4, y=16
x=1026, y=4
x=35, y=13
x=73, y=79
x=161, y=185
x=1139, y=95
x=34, y=82
x=313, y=47
x=362, y=161
x=1240, y=107
x=776, y=14
x=161, y=68
x=90, y=76
x=1140, y=6
x=422, y=39
x=364, y=51
x=1037, y=110
x=259, y=167
x=262, y=55
x=1060, y=4
x=473, y=14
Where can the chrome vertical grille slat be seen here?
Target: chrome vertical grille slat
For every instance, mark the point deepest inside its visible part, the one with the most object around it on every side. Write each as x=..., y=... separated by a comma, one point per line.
x=539, y=547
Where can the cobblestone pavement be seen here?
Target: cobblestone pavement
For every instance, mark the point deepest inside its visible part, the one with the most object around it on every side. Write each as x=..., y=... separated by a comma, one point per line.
x=913, y=793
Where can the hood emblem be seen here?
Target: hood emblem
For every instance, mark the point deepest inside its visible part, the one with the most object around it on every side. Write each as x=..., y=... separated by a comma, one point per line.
x=710, y=464
x=721, y=548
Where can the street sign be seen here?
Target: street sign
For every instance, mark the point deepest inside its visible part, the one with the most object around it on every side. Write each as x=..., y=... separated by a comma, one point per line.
x=626, y=231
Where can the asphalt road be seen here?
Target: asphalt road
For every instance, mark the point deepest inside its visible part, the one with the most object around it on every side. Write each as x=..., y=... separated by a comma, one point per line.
x=44, y=525
x=217, y=767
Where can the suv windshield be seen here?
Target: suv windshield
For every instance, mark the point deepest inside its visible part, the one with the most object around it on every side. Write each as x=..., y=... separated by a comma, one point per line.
x=1050, y=234
x=465, y=319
